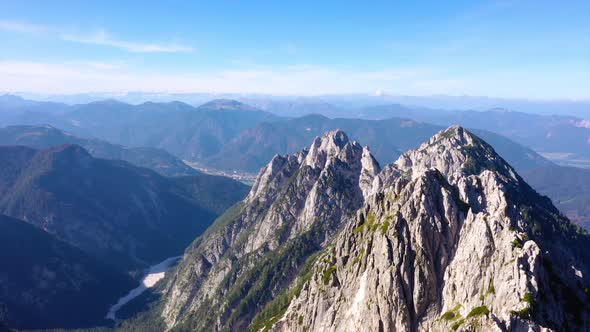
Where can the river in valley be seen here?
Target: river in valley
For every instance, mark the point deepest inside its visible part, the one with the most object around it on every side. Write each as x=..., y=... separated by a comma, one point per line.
x=154, y=274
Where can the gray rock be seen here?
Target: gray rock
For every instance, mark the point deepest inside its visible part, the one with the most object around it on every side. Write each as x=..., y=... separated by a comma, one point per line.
x=446, y=242
x=297, y=204
x=448, y=237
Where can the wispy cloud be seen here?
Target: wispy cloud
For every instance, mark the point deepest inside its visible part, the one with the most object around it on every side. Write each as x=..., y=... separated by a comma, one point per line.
x=100, y=37
x=84, y=76
x=21, y=27
x=88, y=76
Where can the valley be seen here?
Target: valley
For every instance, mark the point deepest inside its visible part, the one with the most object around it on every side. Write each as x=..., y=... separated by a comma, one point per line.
x=210, y=233
x=294, y=166
x=154, y=274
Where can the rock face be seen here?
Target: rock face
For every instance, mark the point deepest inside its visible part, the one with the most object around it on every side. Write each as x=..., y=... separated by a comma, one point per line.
x=257, y=248
x=450, y=239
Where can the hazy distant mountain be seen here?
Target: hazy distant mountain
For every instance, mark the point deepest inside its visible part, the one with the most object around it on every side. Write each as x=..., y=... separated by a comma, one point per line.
x=552, y=134
x=47, y=283
x=197, y=133
x=187, y=132
x=226, y=105
x=47, y=136
x=568, y=188
x=183, y=130
x=15, y=104
x=294, y=107
x=387, y=138
x=579, y=108
x=124, y=214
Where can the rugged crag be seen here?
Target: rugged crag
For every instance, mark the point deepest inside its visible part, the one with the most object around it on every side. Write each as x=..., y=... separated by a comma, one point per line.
x=259, y=246
x=451, y=239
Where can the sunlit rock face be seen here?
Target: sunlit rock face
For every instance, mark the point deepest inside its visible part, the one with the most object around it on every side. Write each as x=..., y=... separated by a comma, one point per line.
x=295, y=207
x=450, y=239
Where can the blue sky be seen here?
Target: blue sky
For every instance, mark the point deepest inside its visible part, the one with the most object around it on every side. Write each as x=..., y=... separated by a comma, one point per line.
x=516, y=49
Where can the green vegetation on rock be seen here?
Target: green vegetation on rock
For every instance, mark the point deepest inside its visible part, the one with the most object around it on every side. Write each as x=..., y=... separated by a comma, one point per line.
x=478, y=311
x=327, y=275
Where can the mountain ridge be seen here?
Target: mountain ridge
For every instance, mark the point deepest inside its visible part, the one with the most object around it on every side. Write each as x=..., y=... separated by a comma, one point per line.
x=450, y=244
x=44, y=136
x=440, y=212
x=44, y=281
x=109, y=208
x=298, y=199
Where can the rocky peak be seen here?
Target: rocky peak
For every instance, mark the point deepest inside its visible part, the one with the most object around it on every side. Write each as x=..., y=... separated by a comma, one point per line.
x=294, y=208
x=450, y=239
x=446, y=238
x=329, y=146
x=370, y=169
x=273, y=176
x=456, y=153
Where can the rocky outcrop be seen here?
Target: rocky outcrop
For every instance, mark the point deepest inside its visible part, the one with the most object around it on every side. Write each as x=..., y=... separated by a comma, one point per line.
x=451, y=238
x=258, y=247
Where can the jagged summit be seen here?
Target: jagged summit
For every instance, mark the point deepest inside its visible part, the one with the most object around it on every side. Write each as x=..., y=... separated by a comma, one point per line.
x=294, y=208
x=333, y=144
x=455, y=152
x=448, y=237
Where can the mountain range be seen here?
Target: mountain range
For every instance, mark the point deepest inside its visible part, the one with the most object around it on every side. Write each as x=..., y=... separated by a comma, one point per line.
x=299, y=105
x=76, y=231
x=187, y=132
x=47, y=136
x=388, y=139
x=448, y=237
x=561, y=138
x=326, y=238
x=110, y=208
x=231, y=136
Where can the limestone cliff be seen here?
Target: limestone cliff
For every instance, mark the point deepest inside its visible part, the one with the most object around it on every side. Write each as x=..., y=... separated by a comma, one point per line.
x=258, y=247
x=451, y=239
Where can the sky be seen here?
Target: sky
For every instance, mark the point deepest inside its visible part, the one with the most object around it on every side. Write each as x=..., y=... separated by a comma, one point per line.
x=512, y=49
